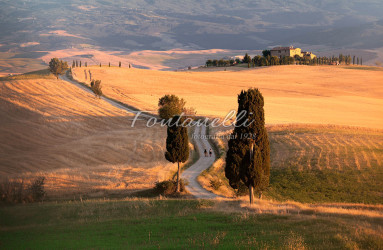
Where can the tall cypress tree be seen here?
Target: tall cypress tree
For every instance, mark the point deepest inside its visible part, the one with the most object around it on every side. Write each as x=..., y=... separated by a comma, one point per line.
x=248, y=156
x=177, y=144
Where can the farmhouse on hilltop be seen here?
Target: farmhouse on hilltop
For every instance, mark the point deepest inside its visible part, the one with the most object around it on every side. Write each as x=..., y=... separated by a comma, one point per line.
x=291, y=51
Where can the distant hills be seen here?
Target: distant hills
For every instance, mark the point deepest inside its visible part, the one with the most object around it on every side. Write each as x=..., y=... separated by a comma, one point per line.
x=46, y=25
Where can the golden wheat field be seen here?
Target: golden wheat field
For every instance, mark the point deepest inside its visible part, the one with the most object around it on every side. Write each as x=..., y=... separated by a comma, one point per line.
x=293, y=94
x=78, y=142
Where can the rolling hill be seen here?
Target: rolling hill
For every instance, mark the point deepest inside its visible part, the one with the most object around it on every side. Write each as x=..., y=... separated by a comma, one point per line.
x=293, y=94
x=81, y=144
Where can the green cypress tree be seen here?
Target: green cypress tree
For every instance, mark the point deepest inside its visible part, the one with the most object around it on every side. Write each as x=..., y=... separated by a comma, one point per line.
x=177, y=145
x=86, y=64
x=357, y=61
x=254, y=172
x=246, y=58
x=361, y=61
x=80, y=64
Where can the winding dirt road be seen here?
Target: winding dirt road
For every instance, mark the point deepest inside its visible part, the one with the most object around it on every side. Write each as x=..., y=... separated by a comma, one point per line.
x=190, y=174
x=203, y=163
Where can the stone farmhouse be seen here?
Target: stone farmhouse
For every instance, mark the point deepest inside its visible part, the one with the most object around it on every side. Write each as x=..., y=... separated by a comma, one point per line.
x=291, y=51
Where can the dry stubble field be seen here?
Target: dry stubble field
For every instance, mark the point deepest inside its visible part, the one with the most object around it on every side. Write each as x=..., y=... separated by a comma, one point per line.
x=293, y=94
x=81, y=144
x=332, y=153
x=56, y=130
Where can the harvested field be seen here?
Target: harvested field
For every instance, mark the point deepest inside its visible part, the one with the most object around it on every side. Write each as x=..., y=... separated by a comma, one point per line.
x=81, y=144
x=293, y=94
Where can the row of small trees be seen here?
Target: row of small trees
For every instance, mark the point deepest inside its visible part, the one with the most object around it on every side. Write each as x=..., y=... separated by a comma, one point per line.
x=76, y=63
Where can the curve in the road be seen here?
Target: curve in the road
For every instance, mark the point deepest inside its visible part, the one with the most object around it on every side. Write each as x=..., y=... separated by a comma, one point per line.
x=202, y=163
x=200, y=139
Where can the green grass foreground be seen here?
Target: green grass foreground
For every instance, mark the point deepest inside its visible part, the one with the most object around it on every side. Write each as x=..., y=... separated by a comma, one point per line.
x=185, y=224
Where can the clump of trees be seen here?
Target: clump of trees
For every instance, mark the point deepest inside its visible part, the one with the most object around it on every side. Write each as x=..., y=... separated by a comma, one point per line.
x=248, y=156
x=19, y=192
x=267, y=60
x=96, y=87
x=220, y=63
x=57, y=67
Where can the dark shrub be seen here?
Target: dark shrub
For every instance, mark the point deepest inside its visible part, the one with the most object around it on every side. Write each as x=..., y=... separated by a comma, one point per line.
x=169, y=187
x=18, y=192
x=37, y=189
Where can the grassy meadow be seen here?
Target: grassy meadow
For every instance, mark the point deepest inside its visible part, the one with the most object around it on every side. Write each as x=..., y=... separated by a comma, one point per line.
x=174, y=224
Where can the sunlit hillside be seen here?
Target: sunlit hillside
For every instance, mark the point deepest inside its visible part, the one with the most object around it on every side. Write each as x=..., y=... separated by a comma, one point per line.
x=293, y=94
x=80, y=143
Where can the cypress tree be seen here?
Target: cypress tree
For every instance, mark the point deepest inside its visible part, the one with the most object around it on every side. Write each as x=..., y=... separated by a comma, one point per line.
x=248, y=156
x=73, y=64
x=109, y=64
x=119, y=64
x=353, y=60
x=177, y=144
x=246, y=58
x=129, y=65
x=80, y=64
x=86, y=64
x=361, y=61
x=76, y=63
x=357, y=61
x=100, y=64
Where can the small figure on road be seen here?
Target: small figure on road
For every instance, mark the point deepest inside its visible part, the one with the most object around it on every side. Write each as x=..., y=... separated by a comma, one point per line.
x=205, y=152
x=210, y=152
